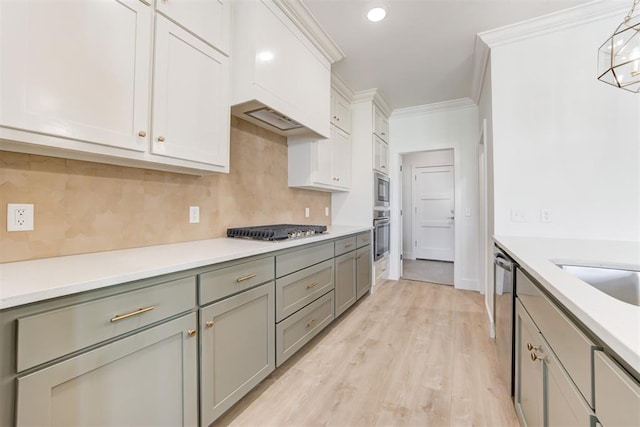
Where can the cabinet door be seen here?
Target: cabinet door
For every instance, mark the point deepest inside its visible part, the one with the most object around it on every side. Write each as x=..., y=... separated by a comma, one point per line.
x=80, y=70
x=147, y=379
x=565, y=406
x=208, y=19
x=380, y=124
x=237, y=348
x=340, y=111
x=529, y=373
x=363, y=270
x=341, y=158
x=323, y=156
x=190, y=98
x=381, y=155
x=345, y=282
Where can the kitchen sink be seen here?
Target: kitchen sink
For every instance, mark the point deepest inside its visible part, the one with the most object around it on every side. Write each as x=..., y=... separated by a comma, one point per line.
x=622, y=283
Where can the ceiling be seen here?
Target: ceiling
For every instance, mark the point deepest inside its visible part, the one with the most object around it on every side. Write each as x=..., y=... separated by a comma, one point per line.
x=422, y=53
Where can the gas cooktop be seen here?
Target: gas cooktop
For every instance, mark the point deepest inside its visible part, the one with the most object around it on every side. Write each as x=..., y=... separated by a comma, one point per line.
x=276, y=231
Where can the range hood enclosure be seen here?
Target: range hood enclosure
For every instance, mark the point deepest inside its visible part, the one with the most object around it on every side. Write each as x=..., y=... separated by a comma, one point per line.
x=279, y=79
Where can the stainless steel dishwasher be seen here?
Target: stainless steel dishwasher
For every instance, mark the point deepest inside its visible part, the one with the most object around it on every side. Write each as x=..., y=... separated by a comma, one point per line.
x=504, y=288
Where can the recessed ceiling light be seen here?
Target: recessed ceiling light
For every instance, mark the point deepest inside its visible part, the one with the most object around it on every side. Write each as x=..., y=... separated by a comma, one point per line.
x=376, y=14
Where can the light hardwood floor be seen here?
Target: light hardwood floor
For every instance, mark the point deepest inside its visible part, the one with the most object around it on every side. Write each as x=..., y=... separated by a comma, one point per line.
x=412, y=354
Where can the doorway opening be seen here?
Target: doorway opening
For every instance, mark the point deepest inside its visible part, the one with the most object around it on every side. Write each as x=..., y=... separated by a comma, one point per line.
x=428, y=214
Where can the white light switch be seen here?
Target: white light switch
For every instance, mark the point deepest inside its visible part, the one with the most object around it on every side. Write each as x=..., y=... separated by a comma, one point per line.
x=306, y=212
x=326, y=211
x=194, y=214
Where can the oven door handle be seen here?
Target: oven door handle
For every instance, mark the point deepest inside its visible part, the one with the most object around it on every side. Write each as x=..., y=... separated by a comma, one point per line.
x=503, y=263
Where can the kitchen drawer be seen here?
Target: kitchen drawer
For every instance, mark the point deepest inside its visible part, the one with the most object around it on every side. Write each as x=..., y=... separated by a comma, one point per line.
x=345, y=245
x=299, y=328
x=617, y=394
x=298, y=289
x=225, y=281
x=363, y=239
x=571, y=346
x=52, y=334
x=298, y=259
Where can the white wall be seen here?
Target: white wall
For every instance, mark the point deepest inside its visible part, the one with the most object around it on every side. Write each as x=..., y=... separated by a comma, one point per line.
x=420, y=129
x=562, y=140
x=409, y=161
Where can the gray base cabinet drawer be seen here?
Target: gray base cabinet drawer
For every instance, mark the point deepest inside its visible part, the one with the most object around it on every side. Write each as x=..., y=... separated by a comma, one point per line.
x=571, y=346
x=298, y=289
x=222, y=282
x=301, y=258
x=363, y=239
x=146, y=379
x=345, y=245
x=49, y=335
x=617, y=394
x=298, y=329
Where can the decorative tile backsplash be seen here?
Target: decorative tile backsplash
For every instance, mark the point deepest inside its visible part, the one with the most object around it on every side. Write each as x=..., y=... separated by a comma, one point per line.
x=85, y=207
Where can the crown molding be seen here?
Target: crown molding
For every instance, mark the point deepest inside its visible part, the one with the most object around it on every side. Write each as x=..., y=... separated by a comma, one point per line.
x=557, y=21
x=455, y=104
x=481, y=56
x=374, y=96
x=338, y=84
x=310, y=27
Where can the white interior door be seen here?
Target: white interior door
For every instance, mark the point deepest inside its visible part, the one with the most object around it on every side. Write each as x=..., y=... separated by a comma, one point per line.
x=433, y=205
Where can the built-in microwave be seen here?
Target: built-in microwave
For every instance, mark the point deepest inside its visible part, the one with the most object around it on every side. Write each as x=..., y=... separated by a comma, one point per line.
x=381, y=190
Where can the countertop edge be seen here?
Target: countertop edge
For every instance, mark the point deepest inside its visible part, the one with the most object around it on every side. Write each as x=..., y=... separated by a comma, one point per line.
x=22, y=282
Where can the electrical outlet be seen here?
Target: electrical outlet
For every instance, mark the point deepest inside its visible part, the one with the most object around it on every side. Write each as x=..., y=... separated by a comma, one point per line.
x=546, y=215
x=518, y=215
x=306, y=212
x=194, y=214
x=19, y=217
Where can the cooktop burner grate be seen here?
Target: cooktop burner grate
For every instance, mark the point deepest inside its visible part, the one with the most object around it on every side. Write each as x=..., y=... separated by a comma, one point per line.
x=276, y=232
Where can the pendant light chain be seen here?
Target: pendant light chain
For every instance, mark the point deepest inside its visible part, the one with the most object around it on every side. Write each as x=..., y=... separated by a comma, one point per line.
x=633, y=8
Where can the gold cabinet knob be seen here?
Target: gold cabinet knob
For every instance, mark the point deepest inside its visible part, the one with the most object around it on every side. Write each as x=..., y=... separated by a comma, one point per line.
x=191, y=332
x=209, y=323
x=161, y=139
x=531, y=347
x=142, y=133
x=535, y=357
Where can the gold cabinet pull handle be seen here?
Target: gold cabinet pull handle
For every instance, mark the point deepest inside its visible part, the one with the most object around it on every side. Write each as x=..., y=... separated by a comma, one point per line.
x=133, y=313
x=311, y=323
x=142, y=133
x=348, y=246
x=209, y=323
x=247, y=277
x=161, y=139
x=312, y=285
x=191, y=332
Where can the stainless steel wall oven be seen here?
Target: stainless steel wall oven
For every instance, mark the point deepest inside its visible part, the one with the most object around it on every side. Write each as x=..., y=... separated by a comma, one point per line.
x=381, y=233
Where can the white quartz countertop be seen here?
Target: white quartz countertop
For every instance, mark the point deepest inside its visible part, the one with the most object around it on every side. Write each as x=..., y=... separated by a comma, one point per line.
x=26, y=282
x=616, y=323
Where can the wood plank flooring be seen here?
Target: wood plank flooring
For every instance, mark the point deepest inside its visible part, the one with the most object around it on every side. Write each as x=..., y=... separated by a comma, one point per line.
x=411, y=354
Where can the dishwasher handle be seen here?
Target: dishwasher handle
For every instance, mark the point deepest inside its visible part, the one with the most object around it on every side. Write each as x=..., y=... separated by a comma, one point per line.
x=503, y=262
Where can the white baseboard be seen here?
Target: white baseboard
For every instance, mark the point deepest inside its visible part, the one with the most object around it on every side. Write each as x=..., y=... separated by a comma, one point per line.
x=467, y=284
x=408, y=256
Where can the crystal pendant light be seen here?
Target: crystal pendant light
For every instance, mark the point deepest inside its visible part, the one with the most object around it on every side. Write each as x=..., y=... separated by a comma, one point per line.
x=619, y=56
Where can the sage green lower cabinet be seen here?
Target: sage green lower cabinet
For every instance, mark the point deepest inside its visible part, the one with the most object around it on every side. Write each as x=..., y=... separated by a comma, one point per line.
x=146, y=379
x=529, y=388
x=345, y=283
x=617, y=393
x=237, y=348
x=363, y=270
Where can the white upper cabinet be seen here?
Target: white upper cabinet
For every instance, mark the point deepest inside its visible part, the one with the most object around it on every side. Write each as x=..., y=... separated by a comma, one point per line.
x=323, y=164
x=380, y=124
x=190, y=109
x=76, y=70
x=75, y=78
x=380, y=155
x=275, y=65
x=340, y=111
x=208, y=19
